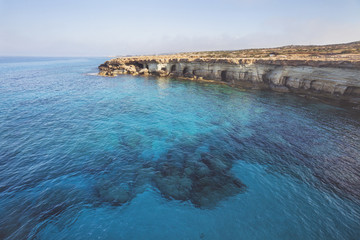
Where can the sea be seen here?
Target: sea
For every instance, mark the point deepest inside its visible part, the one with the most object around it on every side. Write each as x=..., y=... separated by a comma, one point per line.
x=129, y=157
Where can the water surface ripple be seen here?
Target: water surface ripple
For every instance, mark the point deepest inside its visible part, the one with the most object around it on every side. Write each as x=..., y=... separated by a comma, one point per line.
x=88, y=157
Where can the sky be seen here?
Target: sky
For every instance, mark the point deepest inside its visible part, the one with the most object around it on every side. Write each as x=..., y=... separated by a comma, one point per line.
x=115, y=28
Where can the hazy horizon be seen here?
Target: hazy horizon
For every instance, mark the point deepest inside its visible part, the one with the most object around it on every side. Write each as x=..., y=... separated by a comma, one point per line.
x=110, y=28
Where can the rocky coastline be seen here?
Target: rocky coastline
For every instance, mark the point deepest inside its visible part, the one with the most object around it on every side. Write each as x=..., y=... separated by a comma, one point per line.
x=322, y=77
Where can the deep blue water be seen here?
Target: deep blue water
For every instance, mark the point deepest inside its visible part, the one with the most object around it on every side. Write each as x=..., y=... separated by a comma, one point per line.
x=88, y=157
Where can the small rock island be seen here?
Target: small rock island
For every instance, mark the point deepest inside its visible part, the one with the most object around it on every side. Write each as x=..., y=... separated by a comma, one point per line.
x=327, y=71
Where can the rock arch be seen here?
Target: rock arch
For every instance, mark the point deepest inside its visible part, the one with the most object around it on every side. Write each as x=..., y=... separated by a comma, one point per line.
x=185, y=70
x=224, y=76
x=138, y=65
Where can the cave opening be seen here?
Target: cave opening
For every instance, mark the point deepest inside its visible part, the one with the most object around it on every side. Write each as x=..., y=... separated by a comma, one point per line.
x=223, y=76
x=186, y=70
x=139, y=65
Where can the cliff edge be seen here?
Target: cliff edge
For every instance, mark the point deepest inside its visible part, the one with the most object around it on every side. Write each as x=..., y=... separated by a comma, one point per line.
x=330, y=71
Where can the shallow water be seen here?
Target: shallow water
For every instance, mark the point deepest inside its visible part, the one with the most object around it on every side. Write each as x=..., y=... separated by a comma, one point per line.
x=88, y=157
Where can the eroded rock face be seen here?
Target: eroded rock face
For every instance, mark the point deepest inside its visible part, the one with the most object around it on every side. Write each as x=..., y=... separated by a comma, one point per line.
x=330, y=79
x=144, y=71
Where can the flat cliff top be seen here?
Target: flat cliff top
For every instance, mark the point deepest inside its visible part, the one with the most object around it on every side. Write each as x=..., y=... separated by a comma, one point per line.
x=336, y=55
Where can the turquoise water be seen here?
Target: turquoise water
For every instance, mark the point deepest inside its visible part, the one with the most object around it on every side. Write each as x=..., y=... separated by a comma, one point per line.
x=88, y=157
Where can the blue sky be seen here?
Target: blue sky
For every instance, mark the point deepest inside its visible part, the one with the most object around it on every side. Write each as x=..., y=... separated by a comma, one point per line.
x=109, y=27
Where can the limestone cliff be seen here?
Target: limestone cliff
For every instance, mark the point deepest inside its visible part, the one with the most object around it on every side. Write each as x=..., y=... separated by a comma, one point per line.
x=329, y=77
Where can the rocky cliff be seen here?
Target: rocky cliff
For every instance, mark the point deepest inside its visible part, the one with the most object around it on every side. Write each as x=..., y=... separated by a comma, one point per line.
x=322, y=76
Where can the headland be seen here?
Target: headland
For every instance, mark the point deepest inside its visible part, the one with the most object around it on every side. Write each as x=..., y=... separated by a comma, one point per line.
x=327, y=71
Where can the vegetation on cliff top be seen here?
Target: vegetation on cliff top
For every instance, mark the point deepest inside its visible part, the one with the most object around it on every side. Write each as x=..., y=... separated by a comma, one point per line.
x=347, y=49
x=333, y=52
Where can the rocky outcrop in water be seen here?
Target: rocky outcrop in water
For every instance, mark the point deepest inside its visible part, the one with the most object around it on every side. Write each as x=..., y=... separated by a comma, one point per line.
x=203, y=182
x=339, y=80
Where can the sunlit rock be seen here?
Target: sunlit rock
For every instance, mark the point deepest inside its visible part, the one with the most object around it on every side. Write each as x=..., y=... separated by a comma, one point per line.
x=332, y=79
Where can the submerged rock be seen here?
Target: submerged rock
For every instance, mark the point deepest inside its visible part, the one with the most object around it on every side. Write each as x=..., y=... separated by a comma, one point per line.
x=204, y=183
x=112, y=192
x=177, y=187
x=184, y=173
x=209, y=190
x=115, y=194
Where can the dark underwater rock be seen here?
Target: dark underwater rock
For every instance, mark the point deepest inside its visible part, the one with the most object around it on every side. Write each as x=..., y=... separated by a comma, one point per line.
x=204, y=183
x=184, y=173
x=210, y=190
x=176, y=187
x=216, y=163
x=113, y=192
